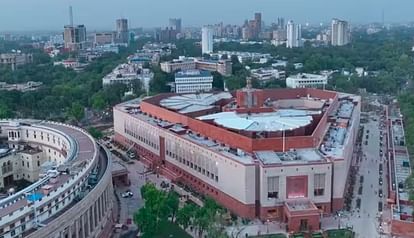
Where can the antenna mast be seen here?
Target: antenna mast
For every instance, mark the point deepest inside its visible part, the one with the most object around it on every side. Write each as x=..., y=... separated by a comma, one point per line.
x=70, y=16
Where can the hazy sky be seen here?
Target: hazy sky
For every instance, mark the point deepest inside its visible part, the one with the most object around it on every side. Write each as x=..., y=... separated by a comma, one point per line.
x=101, y=14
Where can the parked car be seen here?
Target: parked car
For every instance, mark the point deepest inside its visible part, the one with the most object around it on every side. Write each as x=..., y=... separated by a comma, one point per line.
x=380, y=193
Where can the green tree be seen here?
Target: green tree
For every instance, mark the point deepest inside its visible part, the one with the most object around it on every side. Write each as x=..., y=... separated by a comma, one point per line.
x=5, y=111
x=98, y=101
x=185, y=215
x=77, y=111
x=97, y=134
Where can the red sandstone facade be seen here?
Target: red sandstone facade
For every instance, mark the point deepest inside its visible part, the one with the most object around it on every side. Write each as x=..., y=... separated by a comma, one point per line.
x=241, y=182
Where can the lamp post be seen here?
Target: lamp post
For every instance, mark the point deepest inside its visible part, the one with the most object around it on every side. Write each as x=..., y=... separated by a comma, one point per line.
x=268, y=226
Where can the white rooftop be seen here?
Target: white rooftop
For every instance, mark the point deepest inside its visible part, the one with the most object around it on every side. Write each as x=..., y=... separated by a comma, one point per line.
x=284, y=119
x=187, y=103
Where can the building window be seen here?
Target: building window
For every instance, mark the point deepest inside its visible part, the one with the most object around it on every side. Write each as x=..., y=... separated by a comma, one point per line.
x=273, y=187
x=319, y=184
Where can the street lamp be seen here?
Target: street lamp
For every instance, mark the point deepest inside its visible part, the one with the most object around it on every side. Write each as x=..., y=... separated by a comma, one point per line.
x=268, y=226
x=339, y=221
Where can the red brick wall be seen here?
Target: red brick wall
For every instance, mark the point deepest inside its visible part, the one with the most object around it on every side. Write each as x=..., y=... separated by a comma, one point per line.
x=337, y=204
x=402, y=229
x=294, y=222
x=235, y=206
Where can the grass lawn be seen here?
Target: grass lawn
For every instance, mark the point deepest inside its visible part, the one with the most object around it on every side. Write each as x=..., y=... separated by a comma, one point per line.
x=168, y=229
x=269, y=236
x=342, y=233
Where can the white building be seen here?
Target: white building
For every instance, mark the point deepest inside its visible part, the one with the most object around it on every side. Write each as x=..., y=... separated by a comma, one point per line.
x=207, y=39
x=243, y=57
x=340, y=33
x=306, y=81
x=294, y=35
x=268, y=74
x=192, y=81
x=129, y=74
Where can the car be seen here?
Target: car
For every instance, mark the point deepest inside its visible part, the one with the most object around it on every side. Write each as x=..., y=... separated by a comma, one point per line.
x=127, y=194
x=380, y=193
x=380, y=181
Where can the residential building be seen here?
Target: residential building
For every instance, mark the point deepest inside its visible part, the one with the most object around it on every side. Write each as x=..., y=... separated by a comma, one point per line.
x=193, y=81
x=15, y=59
x=275, y=154
x=252, y=28
x=207, y=40
x=122, y=32
x=293, y=35
x=165, y=35
x=75, y=37
x=306, y=81
x=340, y=33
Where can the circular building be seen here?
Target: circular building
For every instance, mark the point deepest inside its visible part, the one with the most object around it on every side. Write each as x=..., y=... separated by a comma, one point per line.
x=55, y=181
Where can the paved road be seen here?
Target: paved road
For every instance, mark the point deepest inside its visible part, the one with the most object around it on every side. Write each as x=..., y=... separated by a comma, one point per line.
x=366, y=220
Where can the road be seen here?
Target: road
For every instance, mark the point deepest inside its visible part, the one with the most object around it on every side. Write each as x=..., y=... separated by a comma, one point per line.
x=372, y=193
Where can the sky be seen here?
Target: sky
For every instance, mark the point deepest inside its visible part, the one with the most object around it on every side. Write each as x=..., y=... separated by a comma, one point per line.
x=23, y=15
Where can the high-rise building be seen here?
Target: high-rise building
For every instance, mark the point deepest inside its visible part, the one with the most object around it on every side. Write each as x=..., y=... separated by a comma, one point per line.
x=340, y=33
x=207, y=39
x=74, y=37
x=258, y=22
x=281, y=23
x=294, y=35
x=175, y=24
x=122, y=33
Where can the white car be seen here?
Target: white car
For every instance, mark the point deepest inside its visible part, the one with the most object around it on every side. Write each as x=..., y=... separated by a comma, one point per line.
x=127, y=194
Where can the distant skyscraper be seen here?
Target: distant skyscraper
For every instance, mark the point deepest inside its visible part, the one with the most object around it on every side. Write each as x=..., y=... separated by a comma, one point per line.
x=207, y=39
x=258, y=22
x=122, y=33
x=340, y=33
x=281, y=23
x=175, y=24
x=294, y=35
x=74, y=36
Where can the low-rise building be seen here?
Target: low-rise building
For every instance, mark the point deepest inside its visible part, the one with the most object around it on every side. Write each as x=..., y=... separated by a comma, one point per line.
x=268, y=74
x=16, y=59
x=244, y=57
x=224, y=67
x=193, y=81
x=71, y=64
x=129, y=74
x=22, y=87
x=306, y=81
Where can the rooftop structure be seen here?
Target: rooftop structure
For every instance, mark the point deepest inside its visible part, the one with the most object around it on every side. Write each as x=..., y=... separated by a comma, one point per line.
x=129, y=74
x=268, y=74
x=206, y=140
x=245, y=56
x=306, y=81
x=224, y=67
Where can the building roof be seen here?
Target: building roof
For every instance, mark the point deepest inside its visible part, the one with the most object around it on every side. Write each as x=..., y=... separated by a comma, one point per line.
x=284, y=119
x=187, y=103
x=192, y=73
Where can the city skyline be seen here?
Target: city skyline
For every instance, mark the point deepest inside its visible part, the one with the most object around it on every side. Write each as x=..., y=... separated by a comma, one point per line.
x=144, y=13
